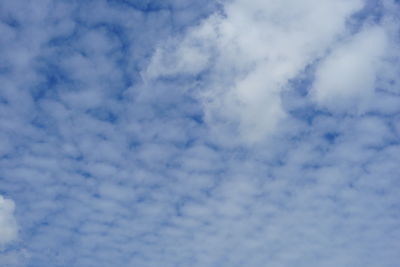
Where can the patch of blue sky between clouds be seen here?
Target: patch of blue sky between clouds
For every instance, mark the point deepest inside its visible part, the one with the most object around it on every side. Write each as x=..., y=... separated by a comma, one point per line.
x=199, y=133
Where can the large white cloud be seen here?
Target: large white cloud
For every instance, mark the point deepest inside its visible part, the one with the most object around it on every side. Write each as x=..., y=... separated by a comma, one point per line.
x=347, y=77
x=253, y=49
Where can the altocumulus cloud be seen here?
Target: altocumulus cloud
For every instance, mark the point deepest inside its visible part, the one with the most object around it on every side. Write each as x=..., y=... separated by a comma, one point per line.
x=199, y=133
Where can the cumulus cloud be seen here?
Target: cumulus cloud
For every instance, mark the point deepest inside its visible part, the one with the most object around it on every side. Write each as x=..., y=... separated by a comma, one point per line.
x=248, y=54
x=347, y=77
x=256, y=49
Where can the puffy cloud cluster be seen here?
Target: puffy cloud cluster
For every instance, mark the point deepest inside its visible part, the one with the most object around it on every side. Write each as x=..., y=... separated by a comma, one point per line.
x=250, y=52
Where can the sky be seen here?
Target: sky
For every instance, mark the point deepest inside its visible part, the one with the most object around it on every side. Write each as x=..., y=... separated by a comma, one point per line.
x=203, y=133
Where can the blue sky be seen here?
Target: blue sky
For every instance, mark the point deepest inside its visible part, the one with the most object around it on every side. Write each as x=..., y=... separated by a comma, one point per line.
x=199, y=133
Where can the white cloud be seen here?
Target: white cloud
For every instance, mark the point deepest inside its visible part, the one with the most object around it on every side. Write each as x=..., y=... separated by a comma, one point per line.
x=109, y=171
x=252, y=50
x=8, y=225
x=347, y=77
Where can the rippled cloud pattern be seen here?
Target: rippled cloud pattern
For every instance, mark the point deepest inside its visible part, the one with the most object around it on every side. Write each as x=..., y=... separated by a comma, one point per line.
x=212, y=133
